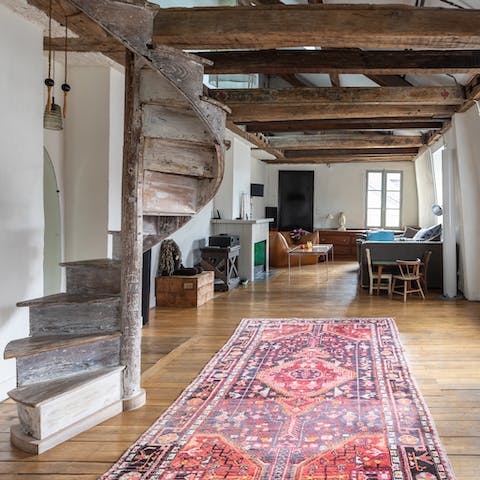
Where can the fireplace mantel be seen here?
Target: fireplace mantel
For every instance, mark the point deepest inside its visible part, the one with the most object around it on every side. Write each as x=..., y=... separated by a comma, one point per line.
x=250, y=232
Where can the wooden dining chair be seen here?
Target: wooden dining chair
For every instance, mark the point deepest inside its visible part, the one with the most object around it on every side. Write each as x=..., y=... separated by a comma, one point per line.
x=409, y=277
x=385, y=279
x=424, y=269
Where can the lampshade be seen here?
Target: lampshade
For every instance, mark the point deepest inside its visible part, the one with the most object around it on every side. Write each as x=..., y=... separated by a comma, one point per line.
x=437, y=210
x=52, y=120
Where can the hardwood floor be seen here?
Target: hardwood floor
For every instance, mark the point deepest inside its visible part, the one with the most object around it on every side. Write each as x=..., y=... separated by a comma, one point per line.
x=441, y=340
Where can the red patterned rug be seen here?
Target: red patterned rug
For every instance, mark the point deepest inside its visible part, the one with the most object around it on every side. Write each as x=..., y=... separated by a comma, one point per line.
x=291, y=399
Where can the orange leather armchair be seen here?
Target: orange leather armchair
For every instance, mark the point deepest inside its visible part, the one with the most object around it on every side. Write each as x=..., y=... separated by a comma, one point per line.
x=280, y=243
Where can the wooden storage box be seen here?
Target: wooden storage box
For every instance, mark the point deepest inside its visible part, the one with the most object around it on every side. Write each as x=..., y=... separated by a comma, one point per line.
x=184, y=291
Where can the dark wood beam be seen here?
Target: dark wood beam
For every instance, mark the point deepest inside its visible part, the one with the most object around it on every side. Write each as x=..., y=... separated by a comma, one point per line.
x=85, y=45
x=382, y=62
x=349, y=151
x=250, y=112
x=357, y=26
x=293, y=80
x=334, y=79
x=317, y=125
x=344, y=159
x=389, y=80
x=342, y=96
x=359, y=140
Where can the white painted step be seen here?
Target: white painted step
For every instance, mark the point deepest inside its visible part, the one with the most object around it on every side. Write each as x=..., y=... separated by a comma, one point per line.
x=49, y=410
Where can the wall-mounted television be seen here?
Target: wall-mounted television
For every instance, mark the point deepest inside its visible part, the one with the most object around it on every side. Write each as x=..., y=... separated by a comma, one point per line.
x=256, y=190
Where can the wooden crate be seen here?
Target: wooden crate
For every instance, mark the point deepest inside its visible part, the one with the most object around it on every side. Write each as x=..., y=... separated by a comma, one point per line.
x=184, y=291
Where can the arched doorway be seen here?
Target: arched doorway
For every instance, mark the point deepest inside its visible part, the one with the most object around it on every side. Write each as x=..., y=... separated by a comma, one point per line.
x=52, y=248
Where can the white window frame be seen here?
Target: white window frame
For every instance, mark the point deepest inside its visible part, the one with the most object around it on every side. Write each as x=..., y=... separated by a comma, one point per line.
x=383, y=198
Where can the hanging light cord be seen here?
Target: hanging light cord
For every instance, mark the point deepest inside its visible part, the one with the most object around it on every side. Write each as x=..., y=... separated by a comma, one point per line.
x=65, y=86
x=49, y=82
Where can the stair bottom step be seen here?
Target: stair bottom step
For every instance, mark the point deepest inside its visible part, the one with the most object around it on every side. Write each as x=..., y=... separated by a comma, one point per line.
x=31, y=445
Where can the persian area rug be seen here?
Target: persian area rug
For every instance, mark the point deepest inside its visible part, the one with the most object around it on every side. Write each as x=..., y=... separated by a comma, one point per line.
x=296, y=399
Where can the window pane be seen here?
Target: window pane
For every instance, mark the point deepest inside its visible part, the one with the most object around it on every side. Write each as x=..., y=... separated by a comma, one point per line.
x=392, y=218
x=393, y=200
x=394, y=181
x=374, y=180
x=374, y=199
x=374, y=217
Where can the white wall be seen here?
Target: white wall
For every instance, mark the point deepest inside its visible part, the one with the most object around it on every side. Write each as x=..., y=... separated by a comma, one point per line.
x=464, y=141
x=21, y=179
x=342, y=188
x=425, y=189
x=93, y=146
x=236, y=177
x=258, y=175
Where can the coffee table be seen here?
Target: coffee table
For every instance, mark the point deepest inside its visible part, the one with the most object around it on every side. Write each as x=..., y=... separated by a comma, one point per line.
x=321, y=250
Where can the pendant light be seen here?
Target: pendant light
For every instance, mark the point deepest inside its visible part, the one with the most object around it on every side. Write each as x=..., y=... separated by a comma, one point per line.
x=52, y=117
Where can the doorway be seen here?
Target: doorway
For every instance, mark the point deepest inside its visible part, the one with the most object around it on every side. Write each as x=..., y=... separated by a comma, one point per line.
x=52, y=246
x=295, y=199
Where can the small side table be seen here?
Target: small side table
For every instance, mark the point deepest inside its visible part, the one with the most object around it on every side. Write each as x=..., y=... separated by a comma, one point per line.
x=224, y=262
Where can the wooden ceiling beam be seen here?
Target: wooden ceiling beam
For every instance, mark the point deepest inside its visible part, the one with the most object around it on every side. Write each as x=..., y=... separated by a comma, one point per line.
x=346, y=61
x=344, y=26
x=345, y=140
x=84, y=45
x=342, y=96
x=318, y=152
x=316, y=125
x=251, y=112
x=344, y=159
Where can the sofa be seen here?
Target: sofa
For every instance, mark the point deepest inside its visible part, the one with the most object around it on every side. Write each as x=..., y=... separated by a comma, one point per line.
x=280, y=243
x=402, y=250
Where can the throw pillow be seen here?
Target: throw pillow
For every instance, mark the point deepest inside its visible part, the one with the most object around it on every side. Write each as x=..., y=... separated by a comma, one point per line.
x=429, y=234
x=409, y=232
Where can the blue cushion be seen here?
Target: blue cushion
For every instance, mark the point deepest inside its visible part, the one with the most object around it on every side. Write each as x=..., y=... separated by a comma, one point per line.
x=380, y=235
x=430, y=233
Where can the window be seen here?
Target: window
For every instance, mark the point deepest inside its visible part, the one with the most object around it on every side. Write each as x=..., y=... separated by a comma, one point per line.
x=384, y=199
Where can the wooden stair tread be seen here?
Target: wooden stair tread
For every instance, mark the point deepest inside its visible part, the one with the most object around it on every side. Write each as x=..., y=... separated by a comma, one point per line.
x=98, y=262
x=32, y=345
x=68, y=298
x=35, y=394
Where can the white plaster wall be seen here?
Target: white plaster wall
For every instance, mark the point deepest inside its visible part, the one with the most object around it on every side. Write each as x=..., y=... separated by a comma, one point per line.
x=86, y=164
x=223, y=198
x=464, y=142
x=241, y=173
x=257, y=175
x=425, y=189
x=21, y=179
x=342, y=188
x=117, y=94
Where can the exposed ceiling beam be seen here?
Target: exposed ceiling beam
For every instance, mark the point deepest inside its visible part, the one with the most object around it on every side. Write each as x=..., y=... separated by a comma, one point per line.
x=344, y=159
x=389, y=80
x=84, y=45
x=255, y=140
x=250, y=105
x=357, y=26
x=342, y=95
x=382, y=62
x=345, y=140
x=345, y=124
x=349, y=151
x=334, y=79
x=293, y=80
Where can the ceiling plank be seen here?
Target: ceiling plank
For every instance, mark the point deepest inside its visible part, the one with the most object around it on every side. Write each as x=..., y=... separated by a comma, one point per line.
x=279, y=26
x=345, y=140
x=344, y=124
x=389, y=80
x=345, y=61
x=343, y=95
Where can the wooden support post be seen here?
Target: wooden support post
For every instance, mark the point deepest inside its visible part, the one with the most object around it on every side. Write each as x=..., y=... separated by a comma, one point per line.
x=132, y=238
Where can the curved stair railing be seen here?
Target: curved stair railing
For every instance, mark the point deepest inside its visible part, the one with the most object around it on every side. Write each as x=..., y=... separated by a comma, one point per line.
x=69, y=370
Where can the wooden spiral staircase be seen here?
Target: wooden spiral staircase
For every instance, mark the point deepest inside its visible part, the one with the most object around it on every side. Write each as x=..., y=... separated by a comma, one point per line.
x=75, y=369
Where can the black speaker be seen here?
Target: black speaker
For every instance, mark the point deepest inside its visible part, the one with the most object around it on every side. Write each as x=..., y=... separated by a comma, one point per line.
x=271, y=212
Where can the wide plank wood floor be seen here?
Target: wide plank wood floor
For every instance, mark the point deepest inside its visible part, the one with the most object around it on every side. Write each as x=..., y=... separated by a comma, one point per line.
x=441, y=339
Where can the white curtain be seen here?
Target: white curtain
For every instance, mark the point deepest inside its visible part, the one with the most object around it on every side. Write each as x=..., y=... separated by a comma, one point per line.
x=466, y=133
x=425, y=189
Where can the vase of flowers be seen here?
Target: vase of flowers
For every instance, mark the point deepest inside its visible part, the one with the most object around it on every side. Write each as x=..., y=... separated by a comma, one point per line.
x=297, y=234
